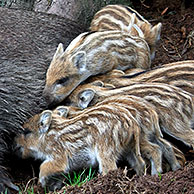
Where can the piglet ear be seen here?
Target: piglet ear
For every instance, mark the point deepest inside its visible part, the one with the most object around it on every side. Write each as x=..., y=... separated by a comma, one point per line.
x=79, y=61
x=98, y=83
x=156, y=31
x=85, y=97
x=59, y=51
x=132, y=21
x=45, y=121
x=62, y=111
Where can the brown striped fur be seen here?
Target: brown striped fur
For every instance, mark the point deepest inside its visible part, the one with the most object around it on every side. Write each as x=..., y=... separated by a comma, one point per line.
x=98, y=136
x=72, y=111
x=119, y=17
x=179, y=74
x=147, y=119
x=174, y=106
x=91, y=54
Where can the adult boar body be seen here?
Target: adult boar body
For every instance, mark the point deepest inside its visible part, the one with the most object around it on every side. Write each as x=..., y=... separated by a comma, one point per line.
x=28, y=41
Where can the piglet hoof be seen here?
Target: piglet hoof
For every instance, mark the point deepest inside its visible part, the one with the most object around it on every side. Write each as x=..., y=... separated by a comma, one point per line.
x=176, y=167
x=53, y=183
x=42, y=181
x=141, y=169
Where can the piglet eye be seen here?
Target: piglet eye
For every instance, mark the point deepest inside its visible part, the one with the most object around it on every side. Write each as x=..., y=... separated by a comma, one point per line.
x=82, y=99
x=62, y=81
x=41, y=124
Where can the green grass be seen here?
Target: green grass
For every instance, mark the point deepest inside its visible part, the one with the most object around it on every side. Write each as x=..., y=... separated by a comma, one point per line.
x=71, y=179
x=30, y=190
x=160, y=176
x=6, y=191
x=80, y=177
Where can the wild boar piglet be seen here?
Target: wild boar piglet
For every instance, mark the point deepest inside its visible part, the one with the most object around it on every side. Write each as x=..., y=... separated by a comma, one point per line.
x=143, y=112
x=173, y=105
x=124, y=18
x=98, y=136
x=179, y=74
x=89, y=54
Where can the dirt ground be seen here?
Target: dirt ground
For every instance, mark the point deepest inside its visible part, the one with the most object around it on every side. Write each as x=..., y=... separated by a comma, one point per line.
x=177, y=36
x=117, y=182
x=177, y=44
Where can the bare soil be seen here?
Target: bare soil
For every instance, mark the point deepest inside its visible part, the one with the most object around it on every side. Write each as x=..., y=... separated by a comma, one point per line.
x=117, y=182
x=177, y=44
